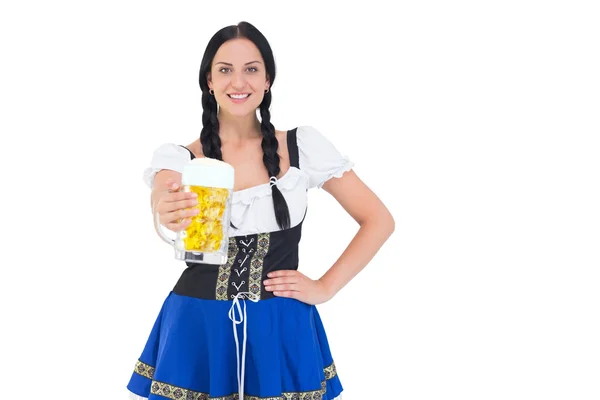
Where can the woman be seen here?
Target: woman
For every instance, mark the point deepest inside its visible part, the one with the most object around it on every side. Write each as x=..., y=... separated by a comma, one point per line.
x=209, y=341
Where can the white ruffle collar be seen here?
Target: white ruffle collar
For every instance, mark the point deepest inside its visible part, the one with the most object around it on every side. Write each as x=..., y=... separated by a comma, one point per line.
x=288, y=181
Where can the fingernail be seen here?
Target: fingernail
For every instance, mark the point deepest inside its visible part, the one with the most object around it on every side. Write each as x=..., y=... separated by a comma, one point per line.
x=268, y=287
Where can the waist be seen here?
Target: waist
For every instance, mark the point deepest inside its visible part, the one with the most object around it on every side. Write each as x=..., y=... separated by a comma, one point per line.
x=245, y=271
x=214, y=282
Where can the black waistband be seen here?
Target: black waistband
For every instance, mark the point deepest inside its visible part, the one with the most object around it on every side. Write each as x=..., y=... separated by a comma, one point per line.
x=249, y=261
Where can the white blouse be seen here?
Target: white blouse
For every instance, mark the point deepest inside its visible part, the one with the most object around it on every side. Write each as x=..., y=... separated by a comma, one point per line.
x=252, y=208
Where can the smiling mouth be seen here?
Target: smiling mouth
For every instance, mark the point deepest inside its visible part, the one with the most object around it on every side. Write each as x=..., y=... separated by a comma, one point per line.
x=239, y=96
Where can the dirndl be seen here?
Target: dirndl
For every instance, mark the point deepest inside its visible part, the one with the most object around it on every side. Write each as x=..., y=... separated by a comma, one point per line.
x=205, y=349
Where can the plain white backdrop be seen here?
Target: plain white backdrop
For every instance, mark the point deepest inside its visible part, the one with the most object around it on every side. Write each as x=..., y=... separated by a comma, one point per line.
x=477, y=123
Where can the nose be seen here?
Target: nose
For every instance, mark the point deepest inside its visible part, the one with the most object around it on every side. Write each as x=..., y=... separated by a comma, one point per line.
x=237, y=81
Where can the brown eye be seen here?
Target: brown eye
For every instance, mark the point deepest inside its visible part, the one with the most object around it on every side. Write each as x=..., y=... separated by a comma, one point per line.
x=224, y=70
x=252, y=69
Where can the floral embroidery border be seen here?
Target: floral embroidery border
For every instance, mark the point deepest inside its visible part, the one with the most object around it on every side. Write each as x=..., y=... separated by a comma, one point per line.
x=144, y=370
x=225, y=271
x=330, y=372
x=177, y=393
x=256, y=264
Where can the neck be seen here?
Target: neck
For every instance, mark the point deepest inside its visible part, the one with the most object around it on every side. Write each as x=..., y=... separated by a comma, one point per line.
x=236, y=129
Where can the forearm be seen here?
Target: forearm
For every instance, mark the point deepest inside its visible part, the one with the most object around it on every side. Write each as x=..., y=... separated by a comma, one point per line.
x=371, y=235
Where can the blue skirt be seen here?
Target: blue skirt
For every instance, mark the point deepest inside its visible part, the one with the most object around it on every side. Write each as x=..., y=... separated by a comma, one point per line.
x=193, y=352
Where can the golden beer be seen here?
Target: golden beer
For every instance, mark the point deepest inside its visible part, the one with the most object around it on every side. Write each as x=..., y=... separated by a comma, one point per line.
x=206, y=231
x=206, y=239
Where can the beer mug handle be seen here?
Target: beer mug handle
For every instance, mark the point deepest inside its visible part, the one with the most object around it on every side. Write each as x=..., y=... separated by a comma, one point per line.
x=160, y=231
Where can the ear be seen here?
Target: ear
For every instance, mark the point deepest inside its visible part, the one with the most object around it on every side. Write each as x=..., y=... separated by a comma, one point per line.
x=209, y=80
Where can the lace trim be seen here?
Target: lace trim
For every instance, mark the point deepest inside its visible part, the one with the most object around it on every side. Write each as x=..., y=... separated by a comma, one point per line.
x=133, y=396
x=292, y=178
x=177, y=393
x=338, y=173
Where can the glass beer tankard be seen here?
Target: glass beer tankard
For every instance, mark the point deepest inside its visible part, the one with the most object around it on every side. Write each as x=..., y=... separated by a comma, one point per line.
x=206, y=239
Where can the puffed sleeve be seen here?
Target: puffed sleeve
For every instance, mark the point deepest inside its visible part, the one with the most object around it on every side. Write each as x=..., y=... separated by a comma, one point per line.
x=167, y=156
x=319, y=158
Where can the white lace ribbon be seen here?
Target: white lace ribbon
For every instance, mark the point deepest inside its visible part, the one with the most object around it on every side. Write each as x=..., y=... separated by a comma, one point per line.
x=243, y=318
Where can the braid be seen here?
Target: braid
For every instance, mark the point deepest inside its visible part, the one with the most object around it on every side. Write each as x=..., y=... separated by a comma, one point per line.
x=209, y=137
x=271, y=161
x=211, y=147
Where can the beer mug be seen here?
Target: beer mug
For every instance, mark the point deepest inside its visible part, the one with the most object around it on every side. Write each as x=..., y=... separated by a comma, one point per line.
x=206, y=239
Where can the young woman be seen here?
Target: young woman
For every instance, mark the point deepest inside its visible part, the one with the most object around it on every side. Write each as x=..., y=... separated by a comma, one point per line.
x=249, y=328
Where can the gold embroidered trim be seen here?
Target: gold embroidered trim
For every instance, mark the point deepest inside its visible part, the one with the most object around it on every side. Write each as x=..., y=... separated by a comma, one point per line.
x=144, y=369
x=178, y=393
x=225, y=271
x=256, y=264
x=330, y=372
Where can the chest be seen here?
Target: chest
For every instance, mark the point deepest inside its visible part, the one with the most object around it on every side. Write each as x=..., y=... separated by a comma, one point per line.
x=248, y=164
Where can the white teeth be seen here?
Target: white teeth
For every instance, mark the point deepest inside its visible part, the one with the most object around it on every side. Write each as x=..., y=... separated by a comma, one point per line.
x=238, y=96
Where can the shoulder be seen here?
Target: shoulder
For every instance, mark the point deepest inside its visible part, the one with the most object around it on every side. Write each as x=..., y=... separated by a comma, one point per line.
x=169, y=150
x=281, y=137
x=312, y=140
x=319, y=157
x=305, y=136
x=196, y=148
x=311, y=134
x=166, y=156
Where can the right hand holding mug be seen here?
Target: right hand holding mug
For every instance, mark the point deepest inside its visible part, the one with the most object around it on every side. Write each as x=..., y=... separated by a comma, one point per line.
x=174, y=208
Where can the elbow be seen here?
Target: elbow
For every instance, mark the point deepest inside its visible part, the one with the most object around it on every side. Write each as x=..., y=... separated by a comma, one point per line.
x=389, y=223
x=382, y=220
x=385, y=221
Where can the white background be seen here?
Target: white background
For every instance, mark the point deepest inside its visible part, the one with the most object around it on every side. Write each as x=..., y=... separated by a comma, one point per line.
x=477, y=123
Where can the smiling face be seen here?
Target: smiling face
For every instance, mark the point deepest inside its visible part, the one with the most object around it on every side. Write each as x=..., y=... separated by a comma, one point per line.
x=238, y=77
